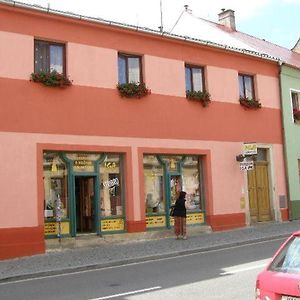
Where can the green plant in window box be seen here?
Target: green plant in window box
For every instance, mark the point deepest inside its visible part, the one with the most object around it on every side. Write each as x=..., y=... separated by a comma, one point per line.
x=201, y=96
x=52, y=78
x=250, y=103
x=296, y=113
x=133, y=90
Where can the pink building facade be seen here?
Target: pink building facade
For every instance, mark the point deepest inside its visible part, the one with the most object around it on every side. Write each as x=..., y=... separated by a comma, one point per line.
x=100, y=163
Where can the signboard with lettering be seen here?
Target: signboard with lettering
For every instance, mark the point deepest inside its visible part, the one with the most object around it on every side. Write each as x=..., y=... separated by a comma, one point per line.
x=112, y=225
x=249, y=149
x=191, y=219
x=155, y=221
x=51, y=228
x=246, y=165
x=197, y=218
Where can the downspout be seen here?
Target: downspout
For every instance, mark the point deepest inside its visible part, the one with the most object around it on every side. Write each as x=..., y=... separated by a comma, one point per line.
x=280, y=64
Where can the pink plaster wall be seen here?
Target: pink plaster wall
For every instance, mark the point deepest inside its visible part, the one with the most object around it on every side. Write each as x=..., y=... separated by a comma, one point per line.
x=279, y=171
x=164, y=76
x=268, y=91
x=222, y=84
x=18, y=191
x=228, y=179
x=19, y=198
x=16, y=55
x=92, y=66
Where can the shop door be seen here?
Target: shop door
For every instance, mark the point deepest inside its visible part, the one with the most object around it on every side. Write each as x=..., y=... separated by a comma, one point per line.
x=85, y=204
x=258, y=190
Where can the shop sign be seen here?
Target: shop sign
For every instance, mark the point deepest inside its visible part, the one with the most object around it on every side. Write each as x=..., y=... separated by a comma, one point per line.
x=192, y=218
x=250, y=149
x=112, y=225
x=196, y=218
x=246, y=165
x=155, y=221
x=51, y=228
x=83, y=165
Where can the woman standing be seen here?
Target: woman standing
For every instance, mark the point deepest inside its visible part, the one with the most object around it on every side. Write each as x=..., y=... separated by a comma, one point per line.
x=180, y=216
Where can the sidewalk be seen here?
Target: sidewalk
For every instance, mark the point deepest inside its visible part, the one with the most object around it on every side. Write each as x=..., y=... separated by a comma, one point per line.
x=119, y=252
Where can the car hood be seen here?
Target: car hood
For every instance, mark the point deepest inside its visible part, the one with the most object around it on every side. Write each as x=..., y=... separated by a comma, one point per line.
x=280, y=283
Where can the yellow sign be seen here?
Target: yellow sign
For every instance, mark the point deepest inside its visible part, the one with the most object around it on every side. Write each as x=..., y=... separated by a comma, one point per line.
x=112, y=225
x=83, y=165
x=250, y=149
x=51, y=228
x=196, y=218
x=155, y=221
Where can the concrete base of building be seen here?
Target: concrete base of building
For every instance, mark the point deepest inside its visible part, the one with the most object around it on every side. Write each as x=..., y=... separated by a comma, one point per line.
x=225, y=222
x=16, y=242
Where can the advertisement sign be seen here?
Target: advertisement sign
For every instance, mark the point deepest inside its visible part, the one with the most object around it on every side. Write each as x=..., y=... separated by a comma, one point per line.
x=246, y=165
x=249, y=149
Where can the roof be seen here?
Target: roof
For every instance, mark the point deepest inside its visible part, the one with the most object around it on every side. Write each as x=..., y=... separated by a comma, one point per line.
x=197, y=30
x=204, y=29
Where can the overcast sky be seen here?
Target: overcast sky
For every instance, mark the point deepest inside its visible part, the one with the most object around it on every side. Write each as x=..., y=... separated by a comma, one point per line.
x=276, y=21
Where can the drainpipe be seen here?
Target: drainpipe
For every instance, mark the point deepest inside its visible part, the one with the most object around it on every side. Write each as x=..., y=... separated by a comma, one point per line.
x=280, y=63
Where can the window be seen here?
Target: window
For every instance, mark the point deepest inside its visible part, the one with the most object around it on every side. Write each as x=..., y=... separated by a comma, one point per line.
x=194, y=79
x=48, y=57
x=296, y=106
x=55, y=186
x=246, y=84
x=129, y=68
x=154, y=185
x=111, y=203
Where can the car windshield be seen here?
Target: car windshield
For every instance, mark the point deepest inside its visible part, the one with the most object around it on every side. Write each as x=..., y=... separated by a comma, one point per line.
x=288, y=259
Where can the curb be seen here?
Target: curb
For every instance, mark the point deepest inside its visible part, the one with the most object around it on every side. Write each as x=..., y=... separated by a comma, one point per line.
x=137, y=259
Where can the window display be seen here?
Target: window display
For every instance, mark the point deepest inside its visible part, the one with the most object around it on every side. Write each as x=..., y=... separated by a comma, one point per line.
x=111, y=203
x=55, y=186
x=191, y=182
x=154, y=185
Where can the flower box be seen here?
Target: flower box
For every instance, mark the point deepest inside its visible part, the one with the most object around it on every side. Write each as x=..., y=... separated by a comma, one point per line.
x=250, y=103
x=133, y=90
x=202, y=97
x=53, y=79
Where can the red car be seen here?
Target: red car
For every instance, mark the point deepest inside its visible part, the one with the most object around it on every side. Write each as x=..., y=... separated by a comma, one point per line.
x=281, y=278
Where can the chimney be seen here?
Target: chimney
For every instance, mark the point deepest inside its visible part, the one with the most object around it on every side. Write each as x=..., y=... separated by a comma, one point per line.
x=227, y=18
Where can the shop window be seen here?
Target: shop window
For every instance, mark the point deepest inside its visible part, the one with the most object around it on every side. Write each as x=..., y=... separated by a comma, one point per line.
x=246, y=86
x=191, y=181
x=194, y=78
x=130, y=68
x=49, y=57
x=296, y=106
x=154, y=185
x=111, y=203
x=55, y=185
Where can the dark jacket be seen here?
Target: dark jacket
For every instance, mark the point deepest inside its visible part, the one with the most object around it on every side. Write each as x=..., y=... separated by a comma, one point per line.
x=179, y=209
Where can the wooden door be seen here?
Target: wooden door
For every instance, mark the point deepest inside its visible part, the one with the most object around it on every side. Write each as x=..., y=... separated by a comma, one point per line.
x=258, y=190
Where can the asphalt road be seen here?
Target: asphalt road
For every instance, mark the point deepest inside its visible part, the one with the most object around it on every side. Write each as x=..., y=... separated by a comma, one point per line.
x=219, y=274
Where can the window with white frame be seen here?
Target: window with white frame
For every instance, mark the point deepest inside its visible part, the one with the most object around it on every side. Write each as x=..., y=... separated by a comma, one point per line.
x=296, y=105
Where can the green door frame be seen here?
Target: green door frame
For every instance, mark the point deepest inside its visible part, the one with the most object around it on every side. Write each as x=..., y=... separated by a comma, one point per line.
x=71, y=191
x=167, y=181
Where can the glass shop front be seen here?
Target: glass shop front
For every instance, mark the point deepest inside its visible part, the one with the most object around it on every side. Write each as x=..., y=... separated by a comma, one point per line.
x=83, y=193
x=164, y=177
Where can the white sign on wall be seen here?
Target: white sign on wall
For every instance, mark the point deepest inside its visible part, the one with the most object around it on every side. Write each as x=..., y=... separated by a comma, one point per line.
x=246, y=165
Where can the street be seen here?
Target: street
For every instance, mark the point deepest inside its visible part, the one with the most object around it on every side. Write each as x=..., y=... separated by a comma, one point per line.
x=220, y=274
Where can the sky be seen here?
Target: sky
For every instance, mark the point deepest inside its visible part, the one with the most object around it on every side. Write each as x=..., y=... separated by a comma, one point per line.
x=276, y=21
